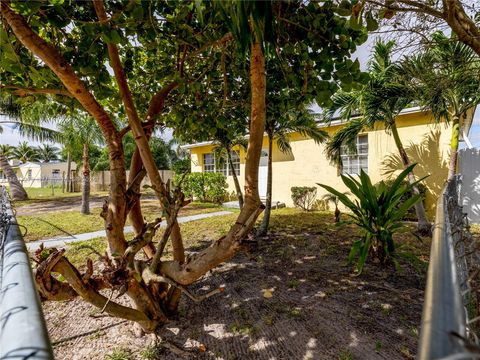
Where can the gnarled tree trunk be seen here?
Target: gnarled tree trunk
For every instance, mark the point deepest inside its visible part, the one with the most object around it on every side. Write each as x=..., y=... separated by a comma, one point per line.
x=152, y=285
x=17, y=192
x=85, y=209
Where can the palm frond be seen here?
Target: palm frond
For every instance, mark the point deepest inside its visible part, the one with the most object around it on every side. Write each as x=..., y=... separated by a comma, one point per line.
x=345, y=137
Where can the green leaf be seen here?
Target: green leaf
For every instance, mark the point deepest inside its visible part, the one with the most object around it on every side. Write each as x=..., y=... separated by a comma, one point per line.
x=115, y=37
x=372, y=24
x=137, y=12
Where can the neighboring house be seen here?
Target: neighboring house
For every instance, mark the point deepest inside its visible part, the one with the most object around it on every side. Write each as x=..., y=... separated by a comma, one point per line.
x=426, y=143
x=36, y=174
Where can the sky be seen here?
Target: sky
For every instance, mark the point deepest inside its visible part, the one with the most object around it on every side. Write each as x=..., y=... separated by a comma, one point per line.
x=11, y=137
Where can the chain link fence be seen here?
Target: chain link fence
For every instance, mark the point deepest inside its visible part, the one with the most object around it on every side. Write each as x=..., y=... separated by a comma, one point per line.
x=23, y=334
x=450, y=312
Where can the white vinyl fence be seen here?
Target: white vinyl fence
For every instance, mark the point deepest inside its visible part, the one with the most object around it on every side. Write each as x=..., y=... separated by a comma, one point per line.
x=469, y=168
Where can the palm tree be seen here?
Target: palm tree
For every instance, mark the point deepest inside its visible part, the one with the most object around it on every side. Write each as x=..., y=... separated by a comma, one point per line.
x=81, y=131
x=446, y=79
x=47, y=153
x=223, y=153
x=380, y=101
x=282, y=120
x=17, y=191
x=24, y=153
x=27, y=124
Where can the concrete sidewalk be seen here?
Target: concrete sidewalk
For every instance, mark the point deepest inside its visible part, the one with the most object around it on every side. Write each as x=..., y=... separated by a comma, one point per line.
x=64, y=240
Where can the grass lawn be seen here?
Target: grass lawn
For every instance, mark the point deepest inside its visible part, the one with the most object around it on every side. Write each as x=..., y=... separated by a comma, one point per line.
x=40, y=195
x=50, y=224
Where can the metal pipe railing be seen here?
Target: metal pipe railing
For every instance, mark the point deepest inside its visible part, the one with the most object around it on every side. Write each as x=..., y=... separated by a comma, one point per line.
x=444, y=318
x=23, y=333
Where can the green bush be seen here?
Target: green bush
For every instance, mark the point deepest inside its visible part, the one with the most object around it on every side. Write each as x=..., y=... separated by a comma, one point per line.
x=206, y=187
x=410, y=214
x=304, y=197
x=378, y=210
x=181, y=166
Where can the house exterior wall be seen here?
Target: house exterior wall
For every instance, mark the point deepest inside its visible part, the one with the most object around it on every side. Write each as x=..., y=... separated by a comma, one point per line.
x=42, y=173
x=426, y=143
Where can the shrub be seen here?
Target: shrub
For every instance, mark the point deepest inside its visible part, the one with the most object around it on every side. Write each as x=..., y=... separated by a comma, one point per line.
x=410, y=215
x=181, y=166
x=378, y=211
x=207, y=187
x=304, y=197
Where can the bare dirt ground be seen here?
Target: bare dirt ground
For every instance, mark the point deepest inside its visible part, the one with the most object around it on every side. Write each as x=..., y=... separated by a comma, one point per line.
x=317, y=308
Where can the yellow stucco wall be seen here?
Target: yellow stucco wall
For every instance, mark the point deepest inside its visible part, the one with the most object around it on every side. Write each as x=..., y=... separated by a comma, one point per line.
x=426, y=143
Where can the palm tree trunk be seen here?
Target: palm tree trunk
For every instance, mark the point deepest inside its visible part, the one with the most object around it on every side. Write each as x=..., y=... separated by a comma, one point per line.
x=69, y=170
x=85, y=181
x=17, y=192
x=262, y=231
x=454, y=147
x=424, y=227
x=238, y=189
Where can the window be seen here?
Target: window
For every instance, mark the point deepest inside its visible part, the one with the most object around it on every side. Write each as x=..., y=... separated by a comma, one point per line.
x=236, y=162
x=29, y=174
x=352, y=163
x=211, y=165
x=208, y=163
x=56, y=173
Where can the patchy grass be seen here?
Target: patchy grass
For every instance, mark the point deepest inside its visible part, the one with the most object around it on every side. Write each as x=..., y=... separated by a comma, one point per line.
x=51, y=224
x=196, y=234
x=314, y=296
x=39, y=195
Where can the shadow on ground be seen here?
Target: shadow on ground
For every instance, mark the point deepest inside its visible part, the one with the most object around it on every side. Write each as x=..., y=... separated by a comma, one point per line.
x=317, y=308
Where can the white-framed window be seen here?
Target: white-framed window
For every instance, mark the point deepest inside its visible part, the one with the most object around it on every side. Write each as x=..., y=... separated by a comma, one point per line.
x=55, y=173
x=211, y=165
x=29, y=174
x=352, y=163
x=208, y=162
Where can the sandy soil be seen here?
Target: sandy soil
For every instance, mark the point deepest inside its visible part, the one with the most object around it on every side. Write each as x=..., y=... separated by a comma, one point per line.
x=318, y=309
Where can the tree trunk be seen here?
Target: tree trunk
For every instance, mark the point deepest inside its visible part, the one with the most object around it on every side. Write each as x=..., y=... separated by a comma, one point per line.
x=69, y=170
x=424, y=227
x=262, y=231
x=462, y=24
x=227, y=246
x=238, y=189
x=17, y=192
x=452, y=168
x=85, y=181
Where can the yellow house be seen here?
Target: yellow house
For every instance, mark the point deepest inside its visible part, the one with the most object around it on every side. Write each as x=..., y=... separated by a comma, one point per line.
x=426, y=142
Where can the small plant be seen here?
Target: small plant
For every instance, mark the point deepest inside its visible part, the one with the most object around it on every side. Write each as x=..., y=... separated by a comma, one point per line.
x=410, y=214
x=152, y=352
x=345, y=355
x=118, y=354
x=304, y=197
x=333, y=199
x=378, y=212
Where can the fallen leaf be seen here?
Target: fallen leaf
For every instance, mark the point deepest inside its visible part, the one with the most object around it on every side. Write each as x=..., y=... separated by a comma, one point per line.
x=202, y=348
x=267, y=293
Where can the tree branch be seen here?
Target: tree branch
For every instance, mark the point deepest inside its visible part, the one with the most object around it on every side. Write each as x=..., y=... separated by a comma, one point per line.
x=22, y=91
x=56, y=62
